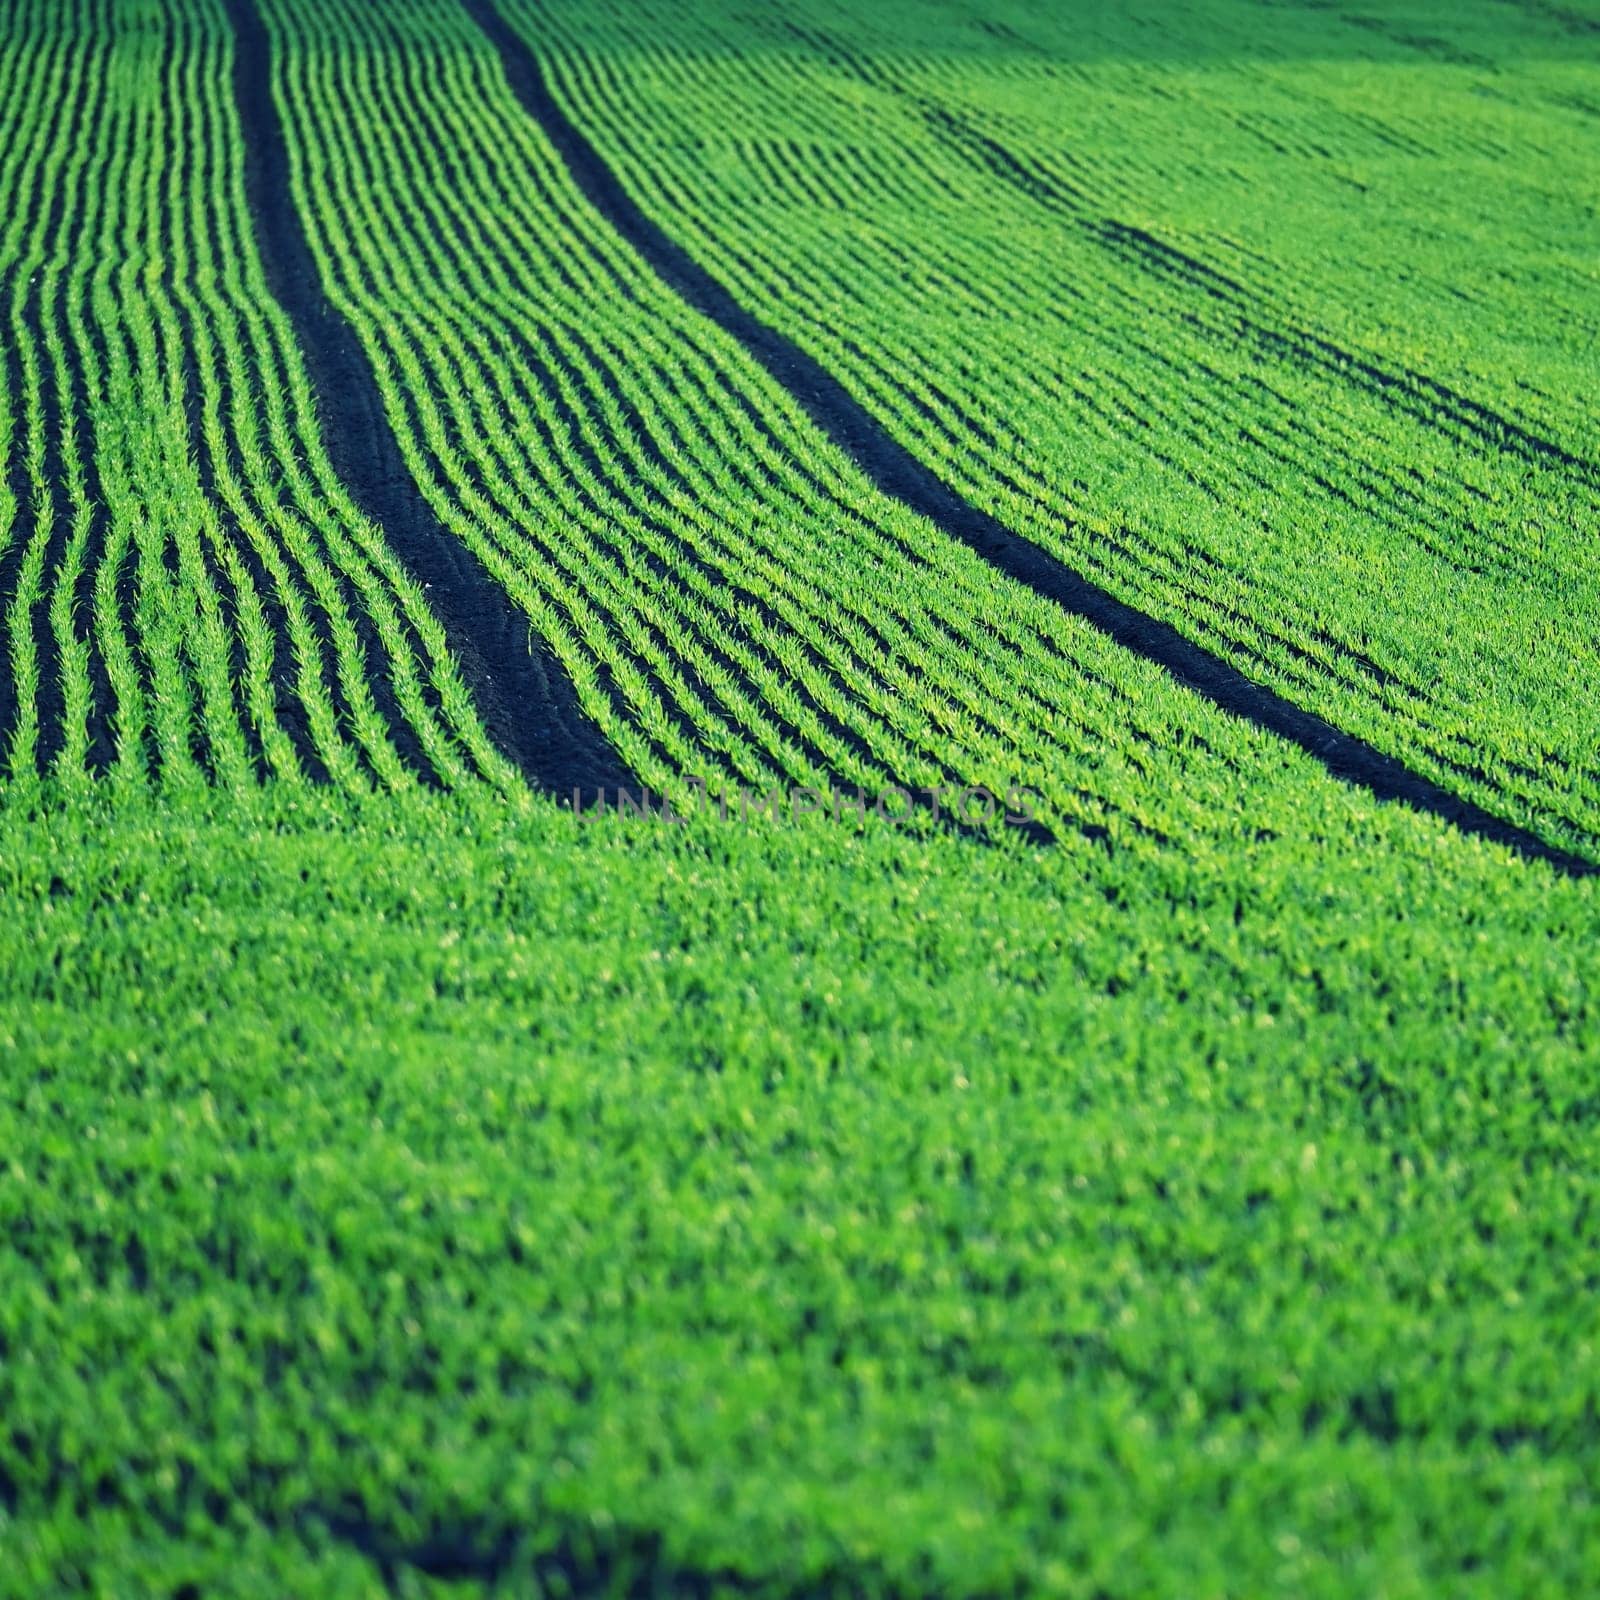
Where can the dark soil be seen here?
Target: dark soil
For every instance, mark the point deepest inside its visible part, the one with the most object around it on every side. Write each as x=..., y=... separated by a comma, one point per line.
x=524, y=696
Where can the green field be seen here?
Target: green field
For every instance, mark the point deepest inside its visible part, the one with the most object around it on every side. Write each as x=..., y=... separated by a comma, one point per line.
x=1078, y=526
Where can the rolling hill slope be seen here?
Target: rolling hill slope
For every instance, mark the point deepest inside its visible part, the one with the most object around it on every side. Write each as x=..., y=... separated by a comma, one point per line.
x=418, y=417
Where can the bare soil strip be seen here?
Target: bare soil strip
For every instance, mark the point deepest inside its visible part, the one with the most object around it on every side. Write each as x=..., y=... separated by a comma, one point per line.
x=895, y=471
x=526, y=699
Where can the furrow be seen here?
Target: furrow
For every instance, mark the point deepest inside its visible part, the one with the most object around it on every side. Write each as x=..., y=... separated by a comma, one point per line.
x=528, y=703
x=898, y=473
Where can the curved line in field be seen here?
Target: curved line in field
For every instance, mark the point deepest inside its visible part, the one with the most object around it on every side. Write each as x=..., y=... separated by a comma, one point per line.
x=526, y=699
x=897, y=472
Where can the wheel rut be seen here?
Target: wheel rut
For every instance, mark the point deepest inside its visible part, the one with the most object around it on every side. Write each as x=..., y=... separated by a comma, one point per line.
x=895, y=471
x=526, y=699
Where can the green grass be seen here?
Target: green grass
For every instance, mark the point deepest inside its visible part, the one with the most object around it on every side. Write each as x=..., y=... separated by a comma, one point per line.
x=474, y=1185
x=411, y=1188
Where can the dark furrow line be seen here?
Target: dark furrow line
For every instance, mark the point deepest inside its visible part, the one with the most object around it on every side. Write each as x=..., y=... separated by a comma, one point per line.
x=265, y=370
x=1197, y=602
x=1417, y=393
x=1348, y=663
x=528, y=703
x=896, y=472
x=427, y=396
x=477, y=477
x=44, y=311
x=235, y=321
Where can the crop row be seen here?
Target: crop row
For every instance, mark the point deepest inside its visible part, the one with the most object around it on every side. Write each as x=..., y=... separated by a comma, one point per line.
x=732, y=601
x=191, y=594
x=732, y=598
x=1404, y=557
x=197, y=595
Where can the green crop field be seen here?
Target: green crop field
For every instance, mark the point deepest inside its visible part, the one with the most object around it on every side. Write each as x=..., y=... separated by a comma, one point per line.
x=800, y=797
